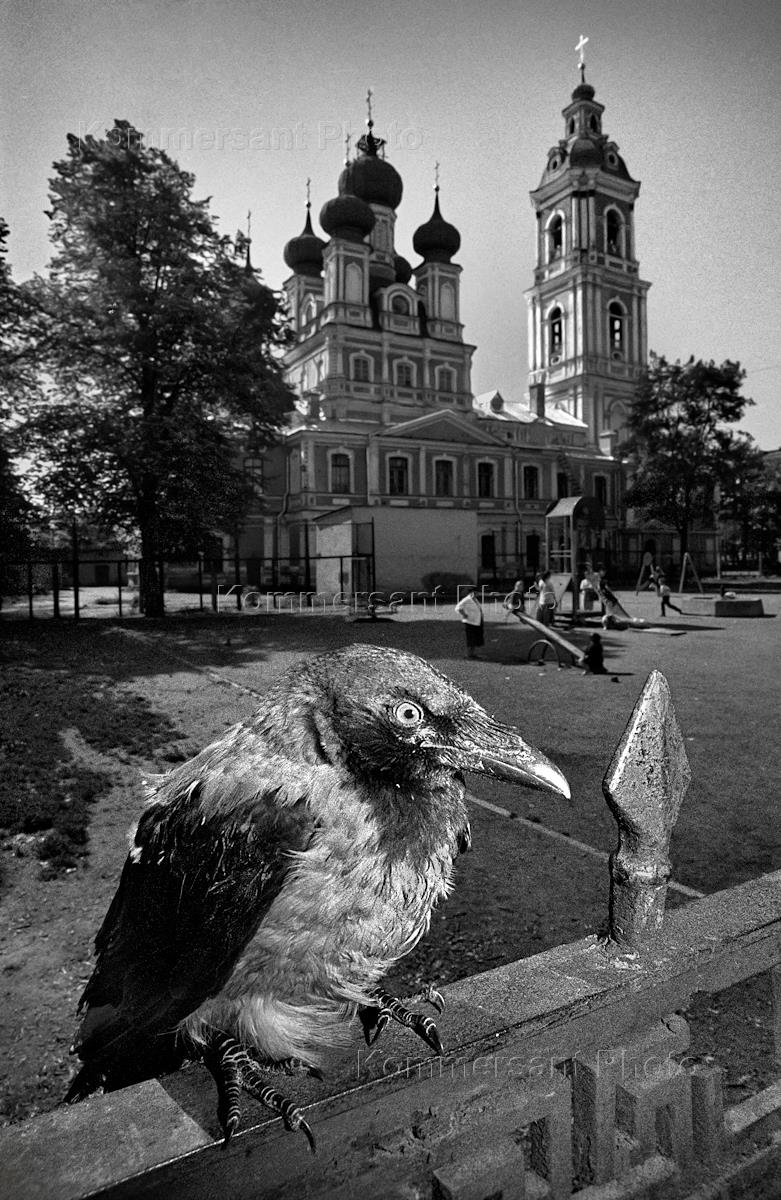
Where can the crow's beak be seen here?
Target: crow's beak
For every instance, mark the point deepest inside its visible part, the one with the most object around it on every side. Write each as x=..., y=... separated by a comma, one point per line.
x=501, y=753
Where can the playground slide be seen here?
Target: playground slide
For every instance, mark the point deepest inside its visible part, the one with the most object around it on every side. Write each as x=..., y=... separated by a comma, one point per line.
x=612, y=607
x=552, y=635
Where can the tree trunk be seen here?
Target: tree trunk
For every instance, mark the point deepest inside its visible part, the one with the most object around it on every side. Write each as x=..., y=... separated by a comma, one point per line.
x=150, y=584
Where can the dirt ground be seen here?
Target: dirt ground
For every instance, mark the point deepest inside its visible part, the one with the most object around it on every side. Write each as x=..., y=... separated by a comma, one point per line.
x=135, y=697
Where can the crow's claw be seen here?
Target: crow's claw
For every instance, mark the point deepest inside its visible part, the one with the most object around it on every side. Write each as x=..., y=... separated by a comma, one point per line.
x=389, y=1007
x=236, y=1069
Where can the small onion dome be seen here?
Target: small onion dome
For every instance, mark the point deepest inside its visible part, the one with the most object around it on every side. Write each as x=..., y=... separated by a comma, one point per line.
x=347, y=217
x=437, y=240
x=403, y=269
x=584, y=91
x=585, y=153
x=370, y=177
x=304, y=254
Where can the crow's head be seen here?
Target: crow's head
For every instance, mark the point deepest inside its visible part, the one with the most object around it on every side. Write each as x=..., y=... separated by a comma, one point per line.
x=392, y=715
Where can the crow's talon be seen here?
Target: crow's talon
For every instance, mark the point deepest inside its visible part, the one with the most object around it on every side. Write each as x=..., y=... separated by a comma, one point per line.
x=236, y=1069
x=386, y=1007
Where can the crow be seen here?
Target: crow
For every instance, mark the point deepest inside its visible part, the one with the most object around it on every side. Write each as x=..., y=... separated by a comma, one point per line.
x=275, y=878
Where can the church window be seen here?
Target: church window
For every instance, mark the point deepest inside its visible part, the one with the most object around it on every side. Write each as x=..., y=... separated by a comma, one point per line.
x=593, y=124
x=600, y=489
x=400, y=304
x=361, y=368
x=488, y=551
x=447, y=300
x=398, y=475
x=445, y=380
x=617, y=329
x=555, y=238
x=555, y=334
x=353, y=284
x=531, y=483
x=485, y=480
x=613, y=232
x=340, y=472
x=404, y=372
x=443, y=477
x=310, y=312
x=571, y=126
x=562, y=485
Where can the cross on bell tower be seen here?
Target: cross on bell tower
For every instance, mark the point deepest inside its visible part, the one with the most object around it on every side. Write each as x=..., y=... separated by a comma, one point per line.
x=587, y=307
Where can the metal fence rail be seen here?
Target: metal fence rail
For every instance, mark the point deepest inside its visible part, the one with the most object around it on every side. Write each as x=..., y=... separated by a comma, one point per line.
x=568, y=1072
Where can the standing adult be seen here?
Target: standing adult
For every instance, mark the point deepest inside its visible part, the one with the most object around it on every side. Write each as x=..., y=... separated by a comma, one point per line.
x=470, y=611
x=546, y=599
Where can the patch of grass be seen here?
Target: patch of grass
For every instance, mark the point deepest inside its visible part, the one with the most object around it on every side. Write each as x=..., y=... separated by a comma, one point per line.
x=44, y=788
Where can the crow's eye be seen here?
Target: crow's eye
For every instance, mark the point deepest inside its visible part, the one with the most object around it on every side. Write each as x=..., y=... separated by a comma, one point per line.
x=408, y=714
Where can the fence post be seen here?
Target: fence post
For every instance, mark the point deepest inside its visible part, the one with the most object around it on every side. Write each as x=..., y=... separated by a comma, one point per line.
x=30, y=613
x=75, y=567
x=119, y=585
x=644, y=787
x=55, y=589
x=200, y=582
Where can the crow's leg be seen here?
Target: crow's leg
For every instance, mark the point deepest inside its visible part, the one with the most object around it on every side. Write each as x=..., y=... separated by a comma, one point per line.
x=236, y=1070
x=386, y=1007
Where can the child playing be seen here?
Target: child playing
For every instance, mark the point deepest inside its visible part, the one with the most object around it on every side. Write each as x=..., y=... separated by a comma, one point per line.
x=664, y=596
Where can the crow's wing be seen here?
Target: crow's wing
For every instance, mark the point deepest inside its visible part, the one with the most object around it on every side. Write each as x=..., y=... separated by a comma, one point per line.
x=192, y=895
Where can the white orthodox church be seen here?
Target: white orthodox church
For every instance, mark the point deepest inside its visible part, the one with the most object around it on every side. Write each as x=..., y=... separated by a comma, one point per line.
x=391, y=473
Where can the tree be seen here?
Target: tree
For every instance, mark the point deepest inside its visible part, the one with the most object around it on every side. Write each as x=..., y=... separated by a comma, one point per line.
x=750, y=510
x=160, y=352
x=16, y=377
x=679, y=442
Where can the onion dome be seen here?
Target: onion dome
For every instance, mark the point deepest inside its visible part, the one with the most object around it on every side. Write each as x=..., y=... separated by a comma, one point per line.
x=370, y=177
x=437, y=240
x=403, y=269
x=584, y=91
x=347, y=217
x=304, y=254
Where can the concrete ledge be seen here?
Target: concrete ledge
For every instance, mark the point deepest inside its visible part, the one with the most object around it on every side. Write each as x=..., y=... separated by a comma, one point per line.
x=722, y=606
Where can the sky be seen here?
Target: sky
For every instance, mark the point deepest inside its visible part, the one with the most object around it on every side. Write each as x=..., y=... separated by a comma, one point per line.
x=254, y=96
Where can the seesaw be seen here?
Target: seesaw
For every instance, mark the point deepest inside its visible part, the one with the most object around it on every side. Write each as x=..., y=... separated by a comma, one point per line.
x=551, y=638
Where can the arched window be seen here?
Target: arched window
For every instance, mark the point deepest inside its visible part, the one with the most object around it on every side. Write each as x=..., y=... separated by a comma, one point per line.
x=531, y=483
x=447, y=301
x=404, y=373
x=555, y=238
x=444, y=477
x=340, y=472
x=400, y=304
x=485, y=480
x=445, y=380
x=555, y=334
x=398, y=475
x=353, y=284
x=616, y=319
x=310, y=311
x=361, y=368
x=614, y=230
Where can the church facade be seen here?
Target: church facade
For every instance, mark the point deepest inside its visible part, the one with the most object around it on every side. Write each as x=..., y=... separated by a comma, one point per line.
x=391, y=473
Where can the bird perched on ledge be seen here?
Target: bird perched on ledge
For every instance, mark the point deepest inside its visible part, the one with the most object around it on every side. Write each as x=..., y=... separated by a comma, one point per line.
x=276, y=877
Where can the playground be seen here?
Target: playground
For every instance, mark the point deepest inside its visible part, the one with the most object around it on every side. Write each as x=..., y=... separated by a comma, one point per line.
x=117, y=700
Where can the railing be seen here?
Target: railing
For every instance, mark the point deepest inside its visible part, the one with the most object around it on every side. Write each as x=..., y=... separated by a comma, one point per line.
x=567, y=1072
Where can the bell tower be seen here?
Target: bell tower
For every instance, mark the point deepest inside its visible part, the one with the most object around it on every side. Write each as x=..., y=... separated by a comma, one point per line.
x=587, y=308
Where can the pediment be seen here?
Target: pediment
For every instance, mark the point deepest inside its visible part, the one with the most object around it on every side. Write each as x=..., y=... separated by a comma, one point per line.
x=440, y=427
